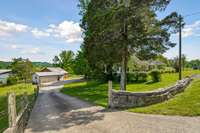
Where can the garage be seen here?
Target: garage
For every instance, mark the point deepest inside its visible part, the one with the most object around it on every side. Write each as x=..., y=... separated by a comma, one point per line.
x=43, y=78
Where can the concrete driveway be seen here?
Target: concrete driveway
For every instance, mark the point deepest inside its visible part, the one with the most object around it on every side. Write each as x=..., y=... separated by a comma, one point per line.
x=58, y=113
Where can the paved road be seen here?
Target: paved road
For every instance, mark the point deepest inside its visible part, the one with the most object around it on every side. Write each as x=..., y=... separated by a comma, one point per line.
x=57, y=113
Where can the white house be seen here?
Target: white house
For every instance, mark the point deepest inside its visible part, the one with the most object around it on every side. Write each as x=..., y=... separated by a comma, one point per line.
x=50, y=75
x=4, y=74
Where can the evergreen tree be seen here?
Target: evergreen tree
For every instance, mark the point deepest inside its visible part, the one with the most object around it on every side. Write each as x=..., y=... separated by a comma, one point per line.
x=116, y=29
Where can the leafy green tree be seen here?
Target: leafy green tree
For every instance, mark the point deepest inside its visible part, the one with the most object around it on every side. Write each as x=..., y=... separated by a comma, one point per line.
x=114, y=30
x=195, y=64
x=184, y=60
x=162, y=59
x=22, y=69
x=64, y=60
x=175, y=63
x=81, y=66
x=135, y=64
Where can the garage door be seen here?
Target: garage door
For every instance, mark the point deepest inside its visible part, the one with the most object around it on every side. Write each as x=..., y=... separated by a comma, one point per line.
x=49, y=79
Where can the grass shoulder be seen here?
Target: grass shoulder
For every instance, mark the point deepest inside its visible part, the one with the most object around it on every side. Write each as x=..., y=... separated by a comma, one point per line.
x=19, y=89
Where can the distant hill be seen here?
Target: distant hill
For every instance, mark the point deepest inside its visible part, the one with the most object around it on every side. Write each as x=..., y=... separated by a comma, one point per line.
x=5, y=65
x=42, y=64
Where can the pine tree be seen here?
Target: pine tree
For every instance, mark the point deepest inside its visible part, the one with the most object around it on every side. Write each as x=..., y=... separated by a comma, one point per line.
x=116, y=29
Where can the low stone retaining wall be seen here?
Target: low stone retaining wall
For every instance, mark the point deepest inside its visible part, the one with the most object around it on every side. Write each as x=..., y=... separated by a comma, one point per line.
x=129, y=99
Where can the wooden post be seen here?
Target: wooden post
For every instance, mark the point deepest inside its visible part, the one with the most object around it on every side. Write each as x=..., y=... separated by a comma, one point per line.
x=109, y=94
x=36, y=91
x=25, y=98
x=12, y=114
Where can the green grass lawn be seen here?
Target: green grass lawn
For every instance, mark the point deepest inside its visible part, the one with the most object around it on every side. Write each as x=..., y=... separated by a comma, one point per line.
x=185, y=104
x=96, y=93
x=74, y=77
x=19, y=90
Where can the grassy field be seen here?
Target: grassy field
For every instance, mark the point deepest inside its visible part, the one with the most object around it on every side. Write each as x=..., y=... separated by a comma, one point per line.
x=19, y=90
x=95, y=92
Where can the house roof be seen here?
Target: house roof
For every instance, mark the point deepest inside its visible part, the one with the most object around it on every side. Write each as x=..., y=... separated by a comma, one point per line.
x=156, y=63
x=4, y=71
x=44, y=74
x=57, y=70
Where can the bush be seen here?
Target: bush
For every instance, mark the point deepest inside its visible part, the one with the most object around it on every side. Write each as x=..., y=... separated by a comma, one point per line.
x=155, y=75
x=12, y=80
x=168, y=70
x=131, y=77
x=142, y=76
x=137, y=77
x=116, y=77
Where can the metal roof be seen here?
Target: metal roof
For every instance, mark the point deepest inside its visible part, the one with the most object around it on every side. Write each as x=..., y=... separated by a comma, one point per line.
x=57, y=69
x=44, y=74
x=3, y=71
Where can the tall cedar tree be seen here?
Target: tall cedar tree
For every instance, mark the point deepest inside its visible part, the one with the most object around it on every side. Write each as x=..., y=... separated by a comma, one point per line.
x=116, y=29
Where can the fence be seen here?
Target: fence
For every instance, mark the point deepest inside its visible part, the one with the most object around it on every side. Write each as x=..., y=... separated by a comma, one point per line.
x=3, y=120
x=18, y=112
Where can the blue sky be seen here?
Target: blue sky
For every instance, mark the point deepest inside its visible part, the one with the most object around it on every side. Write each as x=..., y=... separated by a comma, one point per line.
x=40, y=29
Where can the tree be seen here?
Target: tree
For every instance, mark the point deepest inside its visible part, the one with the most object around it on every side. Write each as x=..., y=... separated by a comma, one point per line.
x=195, y=64
x=22, y=68
x=64, y=60
x=162, y=59
x=135, y=64
x=114, y=30
x=175, y=62
x=184, y=60
x=81, y=66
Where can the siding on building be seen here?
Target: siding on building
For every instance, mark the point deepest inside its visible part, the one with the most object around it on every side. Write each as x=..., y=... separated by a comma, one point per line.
x=3, y=78
x=4, y=74
x=49, y=79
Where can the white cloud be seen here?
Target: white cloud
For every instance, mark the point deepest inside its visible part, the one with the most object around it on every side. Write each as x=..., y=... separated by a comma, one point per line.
x=9, y=28
x=26, y=49
x=14, y=46
x=38, y=33
x=67, y=30
x=31, y=51
x=192, y=29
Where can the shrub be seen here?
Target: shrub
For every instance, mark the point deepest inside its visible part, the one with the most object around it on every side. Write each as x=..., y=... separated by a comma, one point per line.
x=12, y=80
x=131, y=77
x=116, y=77
x=142, y=76
x=168, y=70
x=155, y=75
x=137, y=77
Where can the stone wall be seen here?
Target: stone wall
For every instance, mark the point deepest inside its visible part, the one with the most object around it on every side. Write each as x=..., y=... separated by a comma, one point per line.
x=129, y=99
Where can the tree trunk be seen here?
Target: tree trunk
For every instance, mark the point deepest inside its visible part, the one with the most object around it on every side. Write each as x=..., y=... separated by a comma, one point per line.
x=125, y=50
x=123, y=74
x=124, y=67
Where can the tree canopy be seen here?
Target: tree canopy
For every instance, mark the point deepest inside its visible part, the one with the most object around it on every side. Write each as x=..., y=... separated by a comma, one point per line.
x=116, y=29
x=64, y=60
x=22, y=68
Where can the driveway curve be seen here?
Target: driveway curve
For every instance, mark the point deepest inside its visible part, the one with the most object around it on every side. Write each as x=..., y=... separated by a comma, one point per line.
x=58, y=113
